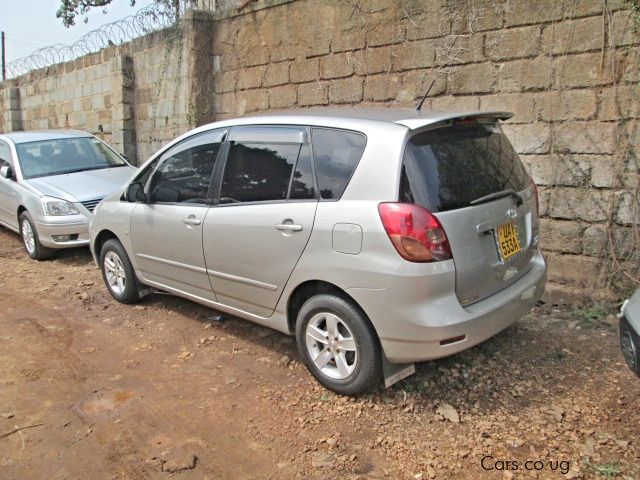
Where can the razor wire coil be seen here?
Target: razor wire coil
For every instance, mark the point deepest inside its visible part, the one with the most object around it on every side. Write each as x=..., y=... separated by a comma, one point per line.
x=147, y=20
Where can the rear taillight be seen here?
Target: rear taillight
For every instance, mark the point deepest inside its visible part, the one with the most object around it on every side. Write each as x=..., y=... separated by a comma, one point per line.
x=534, y=193
x=417, y=235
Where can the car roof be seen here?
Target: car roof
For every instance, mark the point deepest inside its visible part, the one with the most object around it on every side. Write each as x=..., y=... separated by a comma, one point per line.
x=350, y=118
x=355, y=118
x=408, y=117
x=39, y=135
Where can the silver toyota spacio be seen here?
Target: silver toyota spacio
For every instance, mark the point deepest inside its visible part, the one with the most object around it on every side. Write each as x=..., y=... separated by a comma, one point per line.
x=378, y=238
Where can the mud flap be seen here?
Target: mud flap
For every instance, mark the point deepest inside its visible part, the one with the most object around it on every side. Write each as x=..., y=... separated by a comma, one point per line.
x=394, y=372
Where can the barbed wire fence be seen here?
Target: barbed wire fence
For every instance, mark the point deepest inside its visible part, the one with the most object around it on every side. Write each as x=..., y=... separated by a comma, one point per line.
x=149, y=19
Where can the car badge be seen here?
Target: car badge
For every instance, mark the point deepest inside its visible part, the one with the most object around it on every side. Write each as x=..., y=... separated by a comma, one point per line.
x=512, y=213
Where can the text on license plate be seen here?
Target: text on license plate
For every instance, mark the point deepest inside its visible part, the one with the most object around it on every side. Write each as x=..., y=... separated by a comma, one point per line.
x=508, y=241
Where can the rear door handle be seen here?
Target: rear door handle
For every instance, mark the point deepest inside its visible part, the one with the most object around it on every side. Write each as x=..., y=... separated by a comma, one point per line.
x=289, y=227
x=191, y=220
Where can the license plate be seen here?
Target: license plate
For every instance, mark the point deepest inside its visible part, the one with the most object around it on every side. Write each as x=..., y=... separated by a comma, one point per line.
x=508, y=240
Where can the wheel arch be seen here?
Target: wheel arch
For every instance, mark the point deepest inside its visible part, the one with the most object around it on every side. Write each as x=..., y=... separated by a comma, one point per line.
x=100, y=240
x=310, y=288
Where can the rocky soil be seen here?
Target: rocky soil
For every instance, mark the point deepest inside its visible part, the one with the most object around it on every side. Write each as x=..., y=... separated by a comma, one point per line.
x=93, y=389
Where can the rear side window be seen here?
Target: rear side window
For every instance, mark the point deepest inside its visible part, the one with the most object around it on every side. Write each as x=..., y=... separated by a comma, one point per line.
x=336, y=154
x=449, y=167
x=258, y=172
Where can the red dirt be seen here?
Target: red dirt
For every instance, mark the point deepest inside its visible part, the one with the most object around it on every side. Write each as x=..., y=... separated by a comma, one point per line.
x=158, y=390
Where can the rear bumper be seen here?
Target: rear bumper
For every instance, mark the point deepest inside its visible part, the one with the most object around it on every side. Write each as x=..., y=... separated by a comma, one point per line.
x=413, y=316
x=49, y=232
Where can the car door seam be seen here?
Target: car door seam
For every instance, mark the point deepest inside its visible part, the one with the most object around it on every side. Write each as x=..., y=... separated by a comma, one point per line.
x=286, y=283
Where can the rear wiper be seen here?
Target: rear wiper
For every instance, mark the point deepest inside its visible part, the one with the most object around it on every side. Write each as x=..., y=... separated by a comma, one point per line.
x=497, y=195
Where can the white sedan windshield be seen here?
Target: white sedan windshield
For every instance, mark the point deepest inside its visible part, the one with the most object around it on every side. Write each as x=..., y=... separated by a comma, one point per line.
x=67, y=155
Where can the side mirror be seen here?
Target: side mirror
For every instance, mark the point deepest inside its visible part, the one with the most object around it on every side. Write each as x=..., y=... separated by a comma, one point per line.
x=135, y=193
x=6, y=172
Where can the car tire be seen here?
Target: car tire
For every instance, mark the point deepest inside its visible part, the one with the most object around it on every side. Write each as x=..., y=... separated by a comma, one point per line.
x=117, y=272
x=30, y=238
x=630, y=345
x=350, y=365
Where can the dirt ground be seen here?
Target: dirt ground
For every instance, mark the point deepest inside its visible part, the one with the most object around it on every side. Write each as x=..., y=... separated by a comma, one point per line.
x=163, y=390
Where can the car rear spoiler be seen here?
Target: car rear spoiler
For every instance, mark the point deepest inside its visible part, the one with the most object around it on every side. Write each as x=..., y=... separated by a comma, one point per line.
x=449, y=119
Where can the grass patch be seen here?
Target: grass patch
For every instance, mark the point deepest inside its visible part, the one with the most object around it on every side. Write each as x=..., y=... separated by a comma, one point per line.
x=589, y=316
x=608, y=470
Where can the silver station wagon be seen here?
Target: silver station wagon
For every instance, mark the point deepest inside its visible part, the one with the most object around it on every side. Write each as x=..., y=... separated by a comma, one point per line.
x=377, y=237
x=50, y=182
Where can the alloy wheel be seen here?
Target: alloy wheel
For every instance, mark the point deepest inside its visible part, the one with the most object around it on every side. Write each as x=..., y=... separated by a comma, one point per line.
x=28, y=237
x=115, y=273
x=628, y=348
x=331, y=345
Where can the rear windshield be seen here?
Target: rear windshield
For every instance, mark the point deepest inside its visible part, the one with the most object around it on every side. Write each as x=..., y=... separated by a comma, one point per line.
x=449, y=167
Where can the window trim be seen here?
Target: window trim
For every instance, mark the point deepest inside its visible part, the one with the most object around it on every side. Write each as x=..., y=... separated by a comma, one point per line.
x=243, y=133
x=346, y=185
x=219, y=173
x=265, y=202
x=293, y=171
x=169, y=152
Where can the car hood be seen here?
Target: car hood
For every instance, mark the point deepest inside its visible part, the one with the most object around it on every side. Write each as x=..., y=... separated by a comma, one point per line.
x=82, y=186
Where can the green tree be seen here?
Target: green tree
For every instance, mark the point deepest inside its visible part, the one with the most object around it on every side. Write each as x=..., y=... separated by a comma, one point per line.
x=70, y=9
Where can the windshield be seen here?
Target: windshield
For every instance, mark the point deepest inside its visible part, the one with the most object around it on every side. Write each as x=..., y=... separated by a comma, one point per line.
x=448, y=168
x=67, y=155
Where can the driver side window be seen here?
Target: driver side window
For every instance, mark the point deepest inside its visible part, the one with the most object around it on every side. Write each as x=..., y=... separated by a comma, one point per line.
x=185, y=171
x=5, y=154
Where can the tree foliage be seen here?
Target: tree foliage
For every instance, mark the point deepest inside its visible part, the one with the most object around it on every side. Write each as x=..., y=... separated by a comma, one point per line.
x=69, y=10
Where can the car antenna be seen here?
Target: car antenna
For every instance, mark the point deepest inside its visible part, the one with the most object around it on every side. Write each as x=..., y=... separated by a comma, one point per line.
x=419, y=105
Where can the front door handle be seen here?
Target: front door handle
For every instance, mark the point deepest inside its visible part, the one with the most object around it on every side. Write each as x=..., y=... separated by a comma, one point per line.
x=289, y=227
x=191, y=220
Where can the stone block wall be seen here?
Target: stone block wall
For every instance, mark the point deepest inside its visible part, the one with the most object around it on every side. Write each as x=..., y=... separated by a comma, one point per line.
x=159, y=97
x=76, y=94
x=11, y=117
x=568, y=69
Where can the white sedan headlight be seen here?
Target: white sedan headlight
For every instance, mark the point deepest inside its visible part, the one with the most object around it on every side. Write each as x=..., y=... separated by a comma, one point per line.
x=57, y=207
